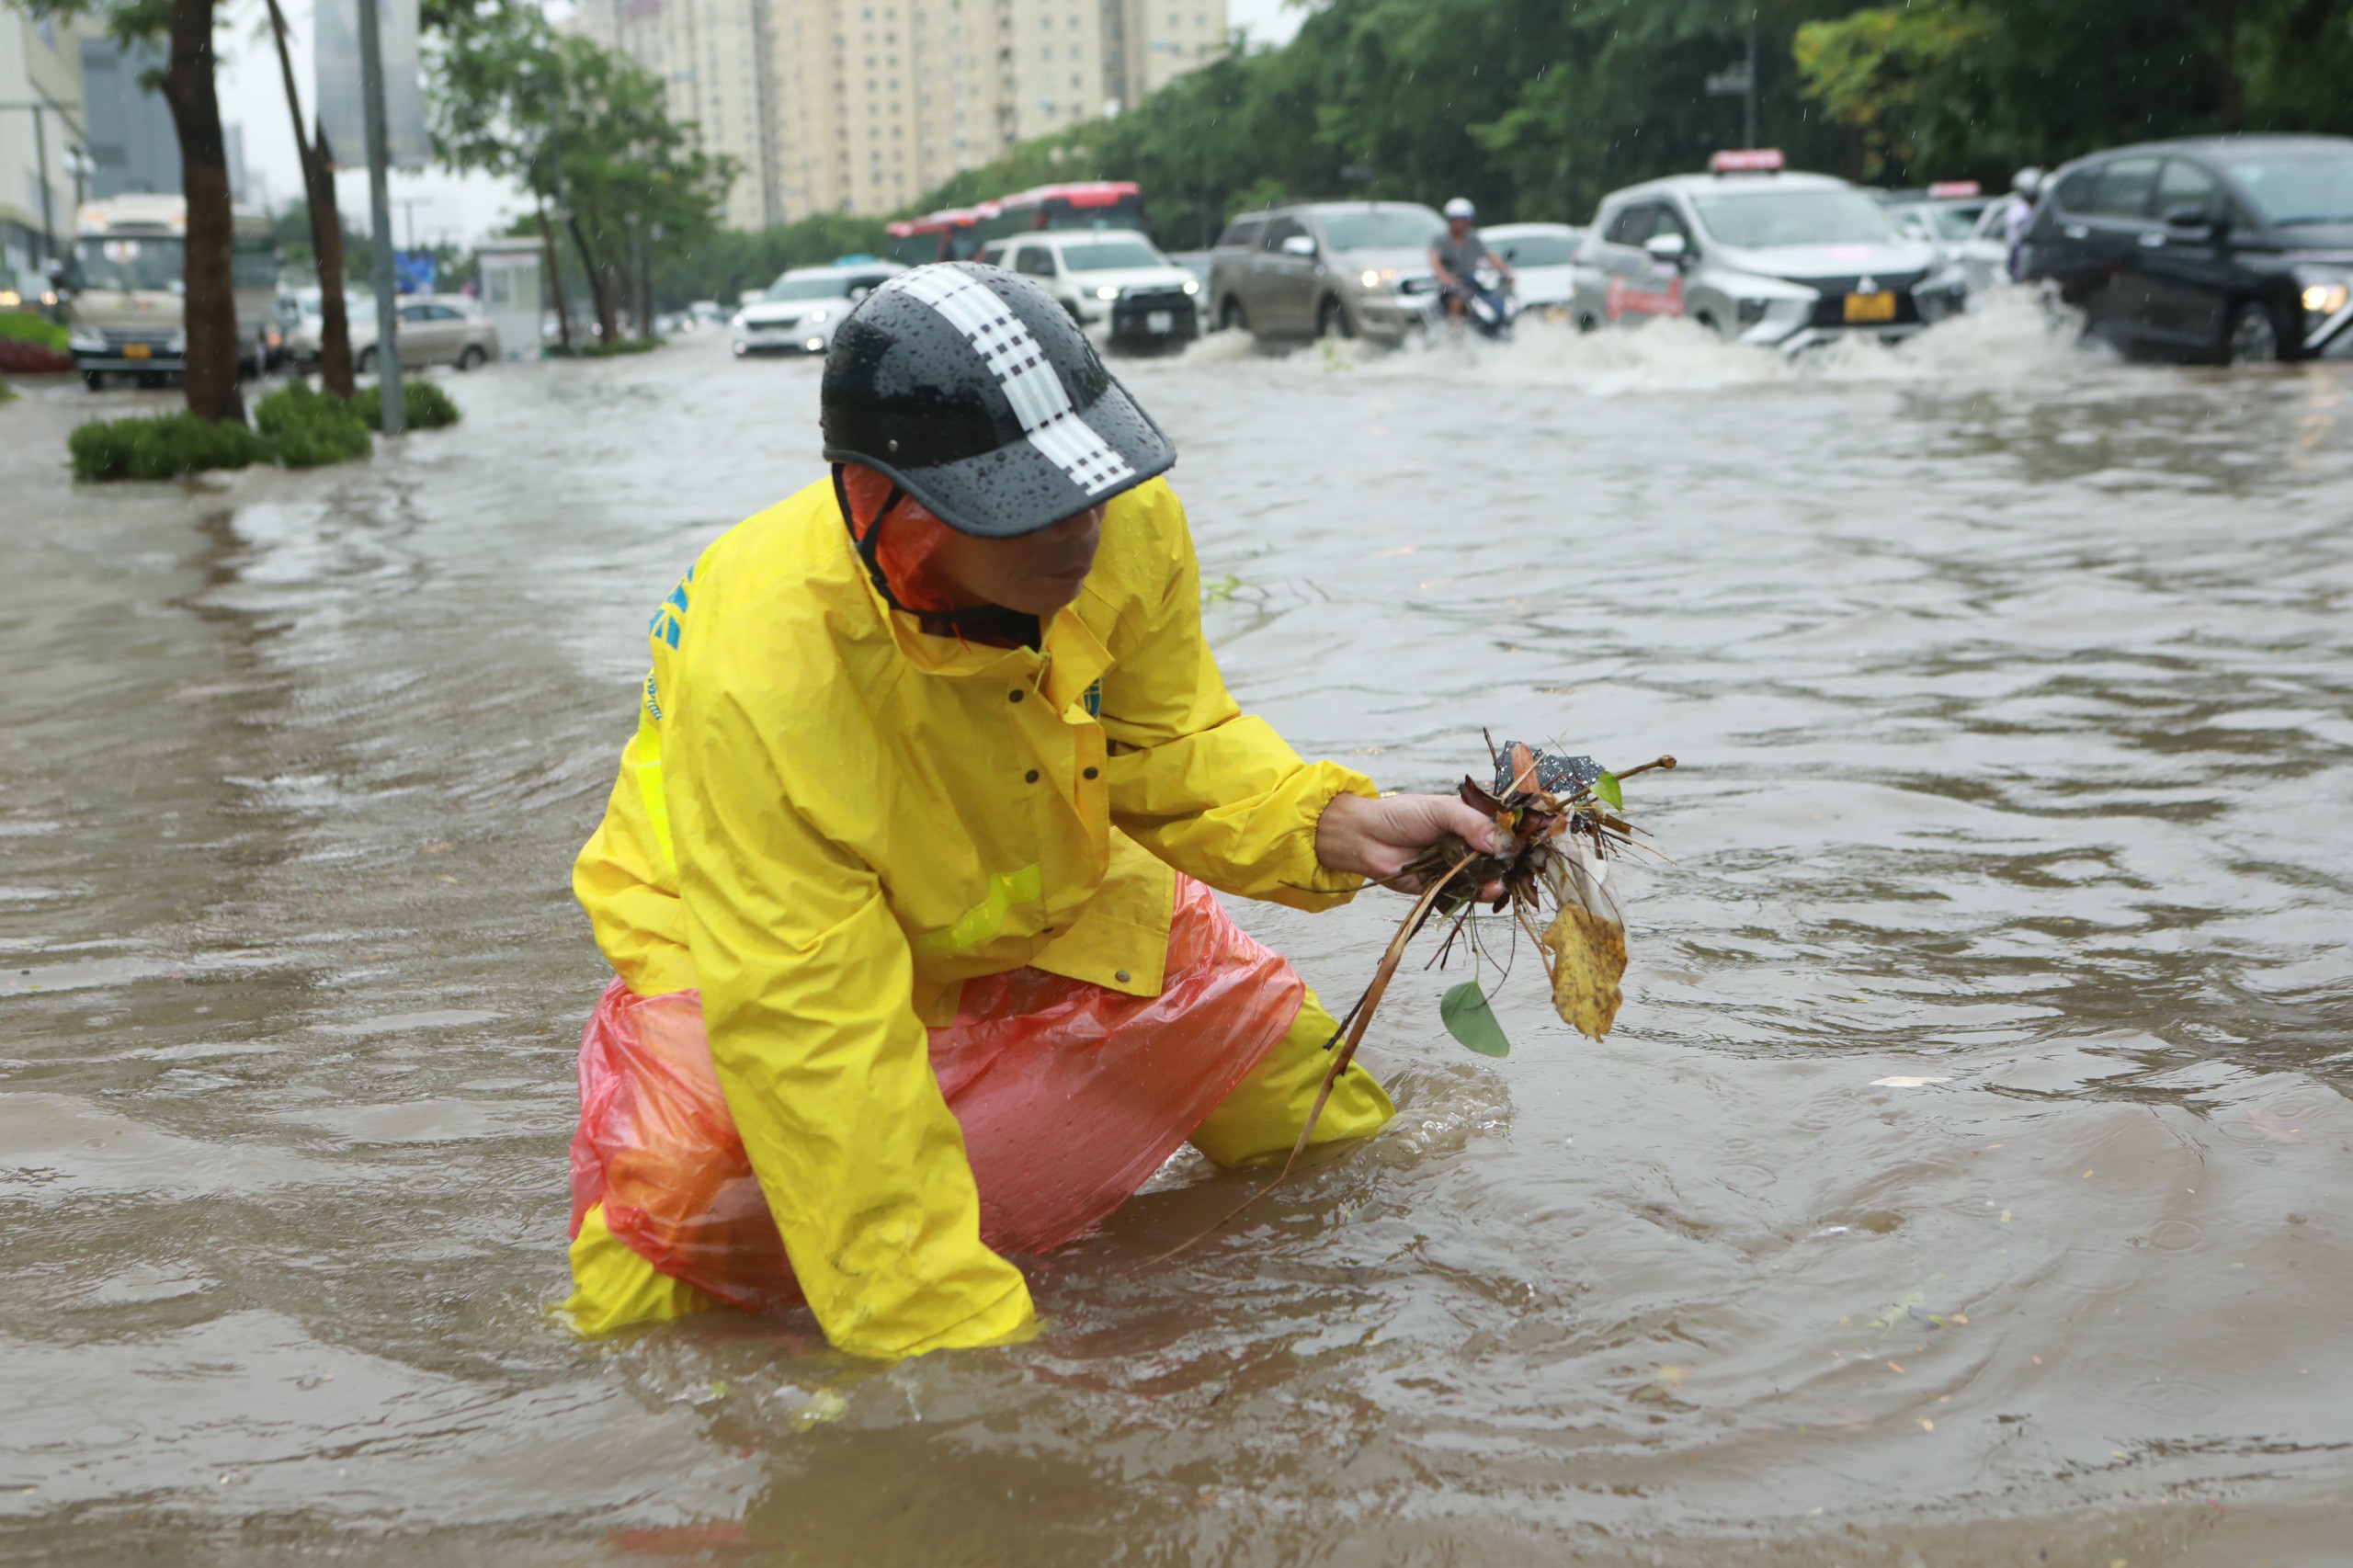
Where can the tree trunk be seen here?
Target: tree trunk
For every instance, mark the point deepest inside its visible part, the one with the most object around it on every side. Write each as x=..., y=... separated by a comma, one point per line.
x=326, y=226
x=601, y=287
x=2232, y=107
x=326, y=239
x=209, y=302
x=555, y=275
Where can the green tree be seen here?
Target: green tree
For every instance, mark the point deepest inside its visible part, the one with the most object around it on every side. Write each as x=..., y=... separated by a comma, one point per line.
x=586, y=132
x=325, y=225
x=1878, y=73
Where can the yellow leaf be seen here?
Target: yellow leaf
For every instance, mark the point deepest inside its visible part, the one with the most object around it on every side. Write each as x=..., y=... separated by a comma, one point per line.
x=1588, y=958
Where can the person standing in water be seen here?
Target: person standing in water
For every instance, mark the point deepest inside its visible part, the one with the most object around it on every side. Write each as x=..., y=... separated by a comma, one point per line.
x=905, y=881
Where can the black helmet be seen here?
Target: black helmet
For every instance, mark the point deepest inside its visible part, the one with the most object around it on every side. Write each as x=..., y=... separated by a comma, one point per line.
x=978, y=395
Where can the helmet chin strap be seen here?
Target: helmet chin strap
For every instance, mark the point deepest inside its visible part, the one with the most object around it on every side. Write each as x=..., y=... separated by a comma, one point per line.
x=992, y=624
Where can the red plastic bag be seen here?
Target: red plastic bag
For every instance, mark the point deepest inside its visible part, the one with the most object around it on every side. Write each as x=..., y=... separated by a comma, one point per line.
x=1070, y=1097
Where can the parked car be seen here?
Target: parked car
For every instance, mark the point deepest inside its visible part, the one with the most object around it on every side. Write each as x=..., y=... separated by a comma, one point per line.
x=1327, y=269
x=2222, y=248
x=1116, y=282
x=798, y=312
x=301, y=310
x=1539, y=256
x=1759, y=254
x=435, y=329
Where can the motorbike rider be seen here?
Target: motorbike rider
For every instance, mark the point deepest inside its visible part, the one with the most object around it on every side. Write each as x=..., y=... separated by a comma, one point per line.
x=898, y=877
x=1457, y=254
x=2026, y=188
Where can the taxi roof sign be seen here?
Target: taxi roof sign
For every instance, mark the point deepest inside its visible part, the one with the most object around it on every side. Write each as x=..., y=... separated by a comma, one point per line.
x=1952, y=189
x=1746, y=161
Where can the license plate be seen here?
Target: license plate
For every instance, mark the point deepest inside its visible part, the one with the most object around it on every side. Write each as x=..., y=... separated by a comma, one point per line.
x=137, y=351
x=1160, y=320
x=1871, y=307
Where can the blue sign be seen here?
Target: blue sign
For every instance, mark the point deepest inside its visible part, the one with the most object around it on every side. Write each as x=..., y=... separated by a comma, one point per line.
x=415, y=271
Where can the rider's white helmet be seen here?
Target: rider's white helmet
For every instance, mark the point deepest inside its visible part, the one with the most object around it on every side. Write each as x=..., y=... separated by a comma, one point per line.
x=1461, y=207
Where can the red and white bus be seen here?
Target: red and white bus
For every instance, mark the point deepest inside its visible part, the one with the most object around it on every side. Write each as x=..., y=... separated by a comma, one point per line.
x=957, y=234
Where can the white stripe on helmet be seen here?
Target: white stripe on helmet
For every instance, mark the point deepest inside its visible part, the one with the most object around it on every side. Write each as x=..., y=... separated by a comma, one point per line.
x=1039, y=398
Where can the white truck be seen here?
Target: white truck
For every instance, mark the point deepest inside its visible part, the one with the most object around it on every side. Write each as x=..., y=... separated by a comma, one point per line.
x=124, y=288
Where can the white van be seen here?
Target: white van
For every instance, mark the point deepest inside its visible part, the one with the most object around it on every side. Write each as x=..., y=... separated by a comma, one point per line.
x=125, y=285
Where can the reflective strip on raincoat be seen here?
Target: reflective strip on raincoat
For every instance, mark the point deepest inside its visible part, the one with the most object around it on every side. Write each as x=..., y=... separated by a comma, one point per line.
x=827, y=820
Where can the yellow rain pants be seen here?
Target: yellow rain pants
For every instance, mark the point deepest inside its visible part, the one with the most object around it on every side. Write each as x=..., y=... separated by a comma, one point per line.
x=827, y=820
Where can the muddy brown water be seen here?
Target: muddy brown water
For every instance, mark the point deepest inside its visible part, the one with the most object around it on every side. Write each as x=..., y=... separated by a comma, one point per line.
x=1966, y=1181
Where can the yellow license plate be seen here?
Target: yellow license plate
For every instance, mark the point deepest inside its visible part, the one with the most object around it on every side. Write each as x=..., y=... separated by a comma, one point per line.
x=140, y=351
x=1871, y=307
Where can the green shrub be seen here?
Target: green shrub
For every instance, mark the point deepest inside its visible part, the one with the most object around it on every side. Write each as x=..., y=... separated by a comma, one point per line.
x=424, y=406
x=306, y=428
x=162, y=446
x=23, y=327
x=606, y=350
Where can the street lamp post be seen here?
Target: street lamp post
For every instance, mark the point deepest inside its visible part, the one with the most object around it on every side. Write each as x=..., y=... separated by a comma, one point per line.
x=379, y=214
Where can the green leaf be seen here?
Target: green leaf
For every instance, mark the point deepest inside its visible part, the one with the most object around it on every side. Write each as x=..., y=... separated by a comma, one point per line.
x=1469, y=1019
x=1610, y=790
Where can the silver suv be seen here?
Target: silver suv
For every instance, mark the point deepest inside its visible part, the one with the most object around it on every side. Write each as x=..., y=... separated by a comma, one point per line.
x=1327, y=269
x=1757, y=256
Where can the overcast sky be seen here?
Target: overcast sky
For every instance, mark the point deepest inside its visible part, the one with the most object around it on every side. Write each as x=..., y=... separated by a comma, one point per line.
x=435, y=205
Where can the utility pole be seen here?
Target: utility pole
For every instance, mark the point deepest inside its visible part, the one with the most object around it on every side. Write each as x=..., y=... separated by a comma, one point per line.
x=42, y=109
x=40, y=158
x=1748, y=100
x=379, y=212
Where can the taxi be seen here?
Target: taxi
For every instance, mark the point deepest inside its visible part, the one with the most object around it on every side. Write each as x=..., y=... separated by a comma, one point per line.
x=1761, y=254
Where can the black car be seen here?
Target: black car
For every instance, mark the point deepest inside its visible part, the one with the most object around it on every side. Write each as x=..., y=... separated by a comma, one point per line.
x=2226, y=248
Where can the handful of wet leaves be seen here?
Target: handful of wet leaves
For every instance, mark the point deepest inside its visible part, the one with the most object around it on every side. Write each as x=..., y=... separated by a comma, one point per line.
x=1558, y=822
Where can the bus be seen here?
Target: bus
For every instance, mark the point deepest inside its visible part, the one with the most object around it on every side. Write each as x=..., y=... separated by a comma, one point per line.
x=123, y=288
x=945, y=236
x=957, y=234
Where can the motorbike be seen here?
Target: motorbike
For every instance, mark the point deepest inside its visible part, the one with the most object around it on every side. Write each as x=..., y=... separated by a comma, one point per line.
x=1488, y=304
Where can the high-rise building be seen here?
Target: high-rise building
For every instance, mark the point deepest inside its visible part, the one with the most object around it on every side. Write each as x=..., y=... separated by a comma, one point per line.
x=710, y=56
x=132, y=144
x=861, y=106
x=42, y=126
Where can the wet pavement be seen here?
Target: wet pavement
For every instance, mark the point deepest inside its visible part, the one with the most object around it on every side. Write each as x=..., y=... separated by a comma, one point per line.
x=1966, y=1183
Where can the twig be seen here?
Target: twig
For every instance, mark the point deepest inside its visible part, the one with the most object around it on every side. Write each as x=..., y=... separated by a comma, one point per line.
x=1360, y=1019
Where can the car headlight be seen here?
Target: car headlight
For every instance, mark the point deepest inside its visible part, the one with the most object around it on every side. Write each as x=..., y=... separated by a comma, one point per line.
x=1191, y=287
x=2323, y=296
x=175, y=344
x=1373, y=277
x=85, y=340
x=813, y=317
x=1107, y=291
x=1750, y=311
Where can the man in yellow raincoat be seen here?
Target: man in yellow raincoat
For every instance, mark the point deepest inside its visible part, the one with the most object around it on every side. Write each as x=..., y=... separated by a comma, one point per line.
x=943, y=728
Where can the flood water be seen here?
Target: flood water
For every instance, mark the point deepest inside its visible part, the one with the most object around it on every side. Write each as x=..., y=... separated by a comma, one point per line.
x=1966, y=1181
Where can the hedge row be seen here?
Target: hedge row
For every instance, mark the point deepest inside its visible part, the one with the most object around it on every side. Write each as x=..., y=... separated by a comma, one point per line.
x=295, y=428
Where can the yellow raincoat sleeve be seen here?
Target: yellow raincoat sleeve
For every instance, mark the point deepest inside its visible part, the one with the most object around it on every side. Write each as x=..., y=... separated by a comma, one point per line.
x=1211, y=790
x=806, y=985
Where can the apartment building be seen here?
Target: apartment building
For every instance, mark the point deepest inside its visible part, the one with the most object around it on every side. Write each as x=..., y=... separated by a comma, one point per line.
x=41, y=129
x=861, y=106
x=711, y=57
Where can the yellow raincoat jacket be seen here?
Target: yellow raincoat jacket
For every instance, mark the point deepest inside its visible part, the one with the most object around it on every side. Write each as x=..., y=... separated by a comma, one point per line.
x=828, y=820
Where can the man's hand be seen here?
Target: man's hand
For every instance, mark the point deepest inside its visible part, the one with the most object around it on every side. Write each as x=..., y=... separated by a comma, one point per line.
x=1380, y=838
